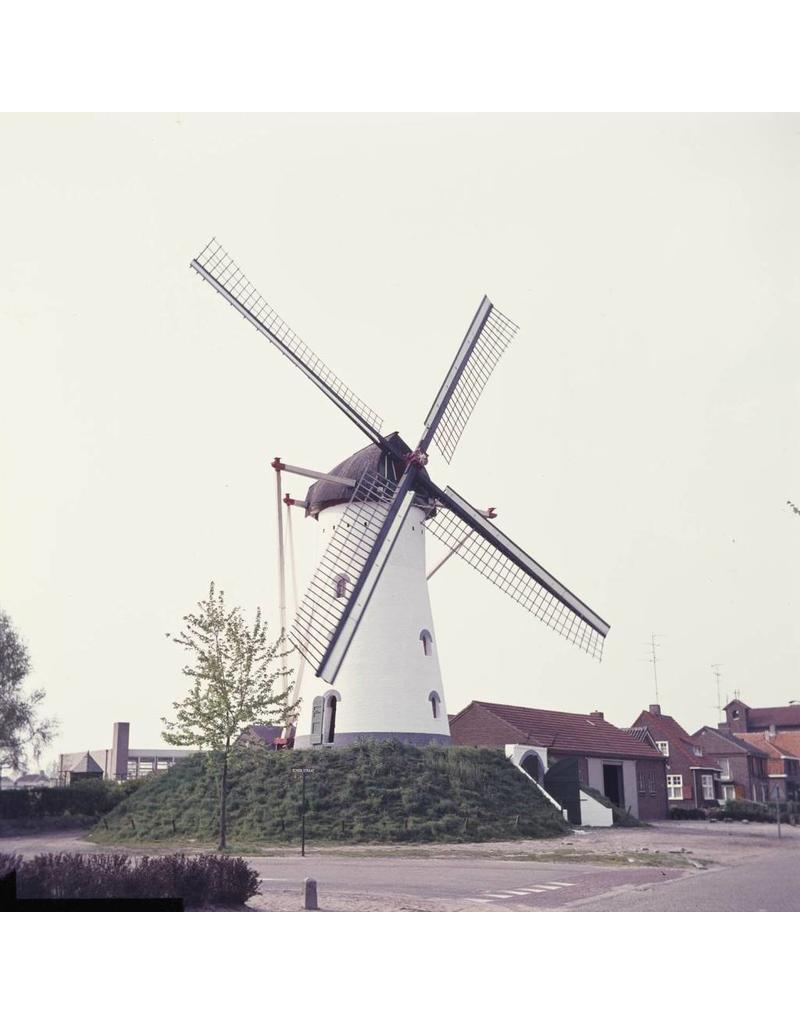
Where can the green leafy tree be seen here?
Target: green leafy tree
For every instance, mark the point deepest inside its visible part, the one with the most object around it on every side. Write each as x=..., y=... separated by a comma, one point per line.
x=236, y=683
x=20, y=727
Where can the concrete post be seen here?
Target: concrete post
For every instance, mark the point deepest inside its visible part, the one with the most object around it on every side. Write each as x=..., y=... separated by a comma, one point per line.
x=310, y=894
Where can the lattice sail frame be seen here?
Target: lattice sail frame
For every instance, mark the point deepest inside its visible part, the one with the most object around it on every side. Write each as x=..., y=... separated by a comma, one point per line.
x=217, y=264
x=345, y=558
x=494, y=338
x=497, y=567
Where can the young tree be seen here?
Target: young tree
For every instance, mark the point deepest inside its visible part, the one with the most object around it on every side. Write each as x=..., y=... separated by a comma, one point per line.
x=234, y=685
x=19, y=725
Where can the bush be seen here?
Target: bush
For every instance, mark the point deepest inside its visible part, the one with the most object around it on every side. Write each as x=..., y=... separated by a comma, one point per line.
x=91, y=798
x=749, y=810
x=687, y=814
x=198, y=881
x=9, y=862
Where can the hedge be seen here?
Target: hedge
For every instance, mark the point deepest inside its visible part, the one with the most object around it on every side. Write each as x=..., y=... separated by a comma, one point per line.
x=91, y=798
x=204, y=880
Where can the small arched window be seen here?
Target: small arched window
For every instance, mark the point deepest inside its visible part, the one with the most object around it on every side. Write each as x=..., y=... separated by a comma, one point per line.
x=330, y=718
x=427, y=643
x=436, y=701
x=341, y=587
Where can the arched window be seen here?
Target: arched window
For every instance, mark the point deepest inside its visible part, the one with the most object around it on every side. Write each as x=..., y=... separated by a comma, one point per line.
x=427, y=643
x=436, y=701
x=341, y=587
x=329, y=725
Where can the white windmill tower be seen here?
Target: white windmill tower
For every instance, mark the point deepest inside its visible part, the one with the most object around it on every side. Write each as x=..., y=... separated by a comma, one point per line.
x=365, y=623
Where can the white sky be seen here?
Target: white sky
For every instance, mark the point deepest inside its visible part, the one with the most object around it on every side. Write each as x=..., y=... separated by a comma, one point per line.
x=639, y=438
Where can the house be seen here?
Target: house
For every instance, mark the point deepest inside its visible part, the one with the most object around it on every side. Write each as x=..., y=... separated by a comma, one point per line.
x=33, y=780
x=268, y=735
x=782, y=751
x=627, y=771
x=739, y=718
x=120, y=761
x=744, y=766
x=692, y=776
x=81, y=769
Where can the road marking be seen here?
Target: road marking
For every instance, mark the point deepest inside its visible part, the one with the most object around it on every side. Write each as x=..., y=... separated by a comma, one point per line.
x=517, y=892
x=553, y=888
x=470, y=899
x=535, y=890
x=498, y=896
x=562, y=883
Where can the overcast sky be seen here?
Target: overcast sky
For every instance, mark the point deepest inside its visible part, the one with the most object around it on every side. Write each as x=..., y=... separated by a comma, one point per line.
x=639, y=438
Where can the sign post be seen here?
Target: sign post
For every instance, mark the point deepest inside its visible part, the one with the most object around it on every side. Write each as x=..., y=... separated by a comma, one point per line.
x=303, y=772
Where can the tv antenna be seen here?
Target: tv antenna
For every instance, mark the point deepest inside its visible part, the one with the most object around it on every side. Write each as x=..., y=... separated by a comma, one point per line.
x=654, y=659
x=715, y=668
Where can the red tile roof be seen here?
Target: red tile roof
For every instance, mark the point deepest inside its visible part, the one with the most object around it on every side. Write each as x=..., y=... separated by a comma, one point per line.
x=775, y=748
x=665, y=727
x=564, y=731
x=763, y=718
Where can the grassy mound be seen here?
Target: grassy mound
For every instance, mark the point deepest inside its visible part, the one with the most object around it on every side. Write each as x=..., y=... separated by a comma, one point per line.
x=366, y=793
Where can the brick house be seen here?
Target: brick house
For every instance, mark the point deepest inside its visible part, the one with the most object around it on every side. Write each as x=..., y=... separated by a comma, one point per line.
x=782, y=750
x=740, y=717
x=744, y=766
x=692, y=776
x=628, y=771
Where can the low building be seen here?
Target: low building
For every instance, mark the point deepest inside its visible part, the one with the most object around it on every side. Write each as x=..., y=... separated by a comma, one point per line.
x=120, y=761
x=692, y=776
x=626, y=770
x=743, y=766
x=32, y=780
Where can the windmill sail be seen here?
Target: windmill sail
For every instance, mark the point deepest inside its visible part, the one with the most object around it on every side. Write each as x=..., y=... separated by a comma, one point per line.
x=486, y=340
x=216, y=267
x=475, y=539
x=348, y=572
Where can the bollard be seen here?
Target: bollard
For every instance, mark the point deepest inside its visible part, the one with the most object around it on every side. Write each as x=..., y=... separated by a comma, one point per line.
x=310, y=893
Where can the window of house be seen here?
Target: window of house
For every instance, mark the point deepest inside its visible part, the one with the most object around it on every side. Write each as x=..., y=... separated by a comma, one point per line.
x=641, y=781
x=145, y=765
x=163, y=763
x=652, y=781
x=663, y=746
x=707, y=782
x=675, y=787
x=725, y=765
x=133, y=767
x=435, y=700
x=728, y=793
x=427, y=643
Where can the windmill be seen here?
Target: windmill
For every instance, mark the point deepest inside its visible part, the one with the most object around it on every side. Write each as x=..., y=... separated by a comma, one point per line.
x=365, y=624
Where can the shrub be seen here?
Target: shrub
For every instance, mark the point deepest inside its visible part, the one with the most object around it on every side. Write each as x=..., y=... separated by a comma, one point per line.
x=751, y=811
x=90, y=798
x=9, y=862
x=687, y=814
x=198, y=881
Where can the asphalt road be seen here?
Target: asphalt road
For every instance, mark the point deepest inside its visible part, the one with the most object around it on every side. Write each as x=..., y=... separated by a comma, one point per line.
x=462, y=884
x=771, y=883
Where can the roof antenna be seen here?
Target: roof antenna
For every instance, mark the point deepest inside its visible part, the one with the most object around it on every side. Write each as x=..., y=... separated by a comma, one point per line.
x=715, y=668
x=653, y=659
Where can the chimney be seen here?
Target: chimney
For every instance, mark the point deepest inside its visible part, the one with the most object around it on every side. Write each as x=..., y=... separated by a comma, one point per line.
x=655, y=709
x=597, y=714
x=771, y=732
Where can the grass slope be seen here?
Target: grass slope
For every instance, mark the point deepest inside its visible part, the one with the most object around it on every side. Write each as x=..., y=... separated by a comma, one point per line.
x=366, y=793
